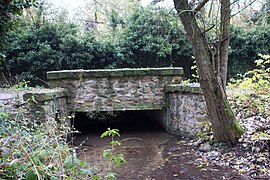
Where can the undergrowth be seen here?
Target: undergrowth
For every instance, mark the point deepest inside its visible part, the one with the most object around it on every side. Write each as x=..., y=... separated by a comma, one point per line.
x=250, y=99
x=37, y=151
x=32, y=150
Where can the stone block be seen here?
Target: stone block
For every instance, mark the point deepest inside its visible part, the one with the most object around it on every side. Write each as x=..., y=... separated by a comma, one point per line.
x=44, y=94
x=79, y=74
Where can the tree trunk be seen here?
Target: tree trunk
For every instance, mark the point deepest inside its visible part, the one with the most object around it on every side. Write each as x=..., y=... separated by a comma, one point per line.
x=224, y=125
x=223, y=48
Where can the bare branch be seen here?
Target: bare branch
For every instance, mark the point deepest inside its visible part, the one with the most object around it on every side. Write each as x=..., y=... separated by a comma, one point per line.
x=208, y=29
x=243, y=8
x=92, y=21
x=210, y=10
x=201, y=5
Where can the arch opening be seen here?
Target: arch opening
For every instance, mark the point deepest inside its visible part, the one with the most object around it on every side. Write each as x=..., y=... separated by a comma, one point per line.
x=125, y=121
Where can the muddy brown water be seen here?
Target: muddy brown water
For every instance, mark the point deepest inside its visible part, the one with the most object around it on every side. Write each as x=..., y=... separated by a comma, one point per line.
x=150, y=152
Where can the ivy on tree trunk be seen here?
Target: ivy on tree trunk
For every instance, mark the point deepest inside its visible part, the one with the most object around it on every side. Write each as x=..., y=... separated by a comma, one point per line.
x=212, y=72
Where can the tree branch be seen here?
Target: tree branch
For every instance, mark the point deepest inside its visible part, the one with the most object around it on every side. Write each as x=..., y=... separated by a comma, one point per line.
x=243, y=8
x=208, y=29
x=201, y=5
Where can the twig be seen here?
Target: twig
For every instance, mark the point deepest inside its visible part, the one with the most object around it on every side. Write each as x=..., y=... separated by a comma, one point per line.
x=201, y=5
x=43, y=81
x=243, y=8
x=5, y=79
x=132, y=138
x=25, y=152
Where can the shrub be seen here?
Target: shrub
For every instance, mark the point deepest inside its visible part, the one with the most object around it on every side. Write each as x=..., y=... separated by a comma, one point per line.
x=245, y=46
x=155, y=38
x=257, y=83
x=32, y=151
x=149, y=37
x=251, y=101
x=32, y=52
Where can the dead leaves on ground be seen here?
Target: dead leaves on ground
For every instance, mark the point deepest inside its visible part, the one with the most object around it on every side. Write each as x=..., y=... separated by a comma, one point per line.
x=251, y=157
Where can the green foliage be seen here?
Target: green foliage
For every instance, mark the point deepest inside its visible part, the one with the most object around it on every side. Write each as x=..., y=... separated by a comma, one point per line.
x=156, y=38
x=206, y=133
x=52, y=46
x=115, y=20
x=148, y=37
x=29, y=150
x=257, y=83
x=262, y=16
x=245, y=45
x=251, y=98
x=35, y=51
x=111, y=133
x=114, y=159
x=23, y=85
x=8, y=9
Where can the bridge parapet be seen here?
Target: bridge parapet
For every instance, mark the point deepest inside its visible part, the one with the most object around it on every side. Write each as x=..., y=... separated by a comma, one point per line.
x=39, y=104
x=116, y=89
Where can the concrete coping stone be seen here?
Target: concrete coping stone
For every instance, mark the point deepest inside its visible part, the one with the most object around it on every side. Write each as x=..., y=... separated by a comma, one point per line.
x=5, y=94
x=44, y=94
x=80, y=73
x=192, y=88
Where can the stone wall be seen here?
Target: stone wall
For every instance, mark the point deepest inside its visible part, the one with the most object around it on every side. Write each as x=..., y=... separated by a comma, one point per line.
x=36, y=104
x=115, y=89
x=186, y=114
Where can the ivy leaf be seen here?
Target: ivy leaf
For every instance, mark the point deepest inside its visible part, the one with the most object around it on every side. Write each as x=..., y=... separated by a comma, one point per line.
x=69, y=162
x=31, y=176
x=43, y=153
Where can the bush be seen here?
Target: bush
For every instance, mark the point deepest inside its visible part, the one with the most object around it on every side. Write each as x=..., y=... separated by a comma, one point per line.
x=149, y=37
x=250, y=98
x=161, y=42
x=155, y=38
x=35, y=51
x=32, y=151
x=245, y=46
x=257, y=85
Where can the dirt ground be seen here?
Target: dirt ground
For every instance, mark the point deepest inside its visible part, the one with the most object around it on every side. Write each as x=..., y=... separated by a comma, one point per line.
x=150, y=152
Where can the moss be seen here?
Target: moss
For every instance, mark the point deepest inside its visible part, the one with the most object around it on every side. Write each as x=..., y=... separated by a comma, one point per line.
x=239, y=129
x=235, y=124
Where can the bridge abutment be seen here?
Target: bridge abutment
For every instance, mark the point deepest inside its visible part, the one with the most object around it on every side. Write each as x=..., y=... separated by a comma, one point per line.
x=186, y=113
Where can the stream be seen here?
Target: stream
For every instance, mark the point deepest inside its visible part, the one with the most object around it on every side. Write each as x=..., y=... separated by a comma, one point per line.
x=150, y=152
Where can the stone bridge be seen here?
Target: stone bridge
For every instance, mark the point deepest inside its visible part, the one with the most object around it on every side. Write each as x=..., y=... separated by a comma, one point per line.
x=116, y=89
x=178, y=108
